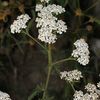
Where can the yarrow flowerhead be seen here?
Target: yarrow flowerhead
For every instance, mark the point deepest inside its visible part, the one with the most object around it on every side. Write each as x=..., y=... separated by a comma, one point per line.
x=81, y=52
x=48, y=23
x=19, y=23
x=90, y=87
x=4, y=96
x=71, y=76
x=78, y=95
x=87, y=96
x=93, y=93
x=45, y=1
x=98, y=85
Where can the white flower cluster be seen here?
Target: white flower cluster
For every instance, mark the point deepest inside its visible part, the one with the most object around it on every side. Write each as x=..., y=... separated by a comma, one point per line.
x=98, y=85
x=19, y=23
x=48, y=23
x=81, y=52
x=4, y=96
x=45, y=1
x=71, y=76
x=93, y=93
x=90, y=87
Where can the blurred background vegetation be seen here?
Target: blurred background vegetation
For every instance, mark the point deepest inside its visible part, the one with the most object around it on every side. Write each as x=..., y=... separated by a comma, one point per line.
x=23, y=62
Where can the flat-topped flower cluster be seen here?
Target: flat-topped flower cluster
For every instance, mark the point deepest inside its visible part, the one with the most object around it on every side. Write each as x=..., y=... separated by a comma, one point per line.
x=93, y=93
x=45, y=1
x=4, y=96
x=81, y=52
x=48, y=23
x=71, y=76
x=19, y=23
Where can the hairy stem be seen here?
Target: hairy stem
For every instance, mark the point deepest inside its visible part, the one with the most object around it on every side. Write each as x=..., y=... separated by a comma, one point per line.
x=72, y=86
x=36, y=41
x=93, y=5
x=26, y=32
x=63, y=60
x=49, y=70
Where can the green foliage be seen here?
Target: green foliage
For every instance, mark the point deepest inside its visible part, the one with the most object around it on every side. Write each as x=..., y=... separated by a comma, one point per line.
x=36, y=94
x=97, y=21
x=18, y=51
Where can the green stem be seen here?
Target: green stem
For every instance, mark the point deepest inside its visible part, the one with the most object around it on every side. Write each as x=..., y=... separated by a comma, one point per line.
x=72, y=86
x=49, y=70
x=36, y=41
x=94, y=4
x=26, y=32
x=78, y=3
x=63, y=60
x=32, y=95
x=17, y=43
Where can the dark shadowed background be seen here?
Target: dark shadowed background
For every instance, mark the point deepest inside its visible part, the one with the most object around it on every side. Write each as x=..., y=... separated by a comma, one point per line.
x=23, y=64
